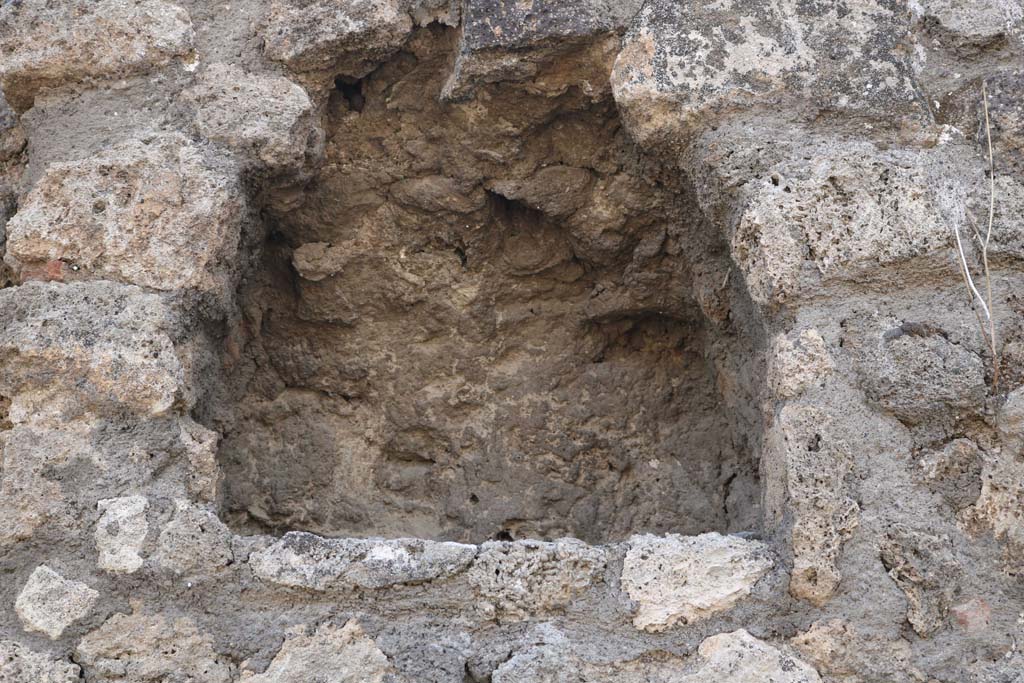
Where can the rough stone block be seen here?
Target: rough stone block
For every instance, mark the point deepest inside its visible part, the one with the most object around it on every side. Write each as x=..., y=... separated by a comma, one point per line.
x=550, y=657
x=266, y=119
x=303, y=560
x=739, y=657
x=96, y=346
x=12, y=142
x=685, y=66
x=121, y=533
x=922, y=565
x=1006, y=119
x=28, y=499
x=157, y=212
x=511, y=25
x=551, y=660
x=798, y=361
x=1006, y=668
x=18, y=664
x=971, y=23
x=954, y=472
x=339, y=655
x=685, y=579
x=199, y=445
x=194, y=541
x=349, y=37
x=999, y=508
x=49, y=603
x=972, y=616
x=55, y=472
x=849, y=214
x=523, y=578
x=140, y=647
x=426, y=12
x=438, y=194
x=807, y=461
x=918, y=374
x=505, y=40
x=841, y=652
x=45, y=44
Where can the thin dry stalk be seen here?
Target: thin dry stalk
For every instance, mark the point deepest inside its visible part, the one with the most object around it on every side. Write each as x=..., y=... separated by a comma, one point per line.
x=986, y=319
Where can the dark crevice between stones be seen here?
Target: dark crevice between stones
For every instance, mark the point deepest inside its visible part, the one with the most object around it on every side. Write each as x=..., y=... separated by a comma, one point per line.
x=351, y=90
x=5, y=413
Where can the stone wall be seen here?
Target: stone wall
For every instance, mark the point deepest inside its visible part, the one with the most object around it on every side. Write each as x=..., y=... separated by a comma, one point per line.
x=427, y=341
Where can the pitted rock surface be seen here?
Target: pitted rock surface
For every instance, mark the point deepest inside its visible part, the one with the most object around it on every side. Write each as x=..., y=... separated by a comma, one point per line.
x=675, y=579
x=152, y=212
x=306, y=561
x=47, y=44
x=49, y=603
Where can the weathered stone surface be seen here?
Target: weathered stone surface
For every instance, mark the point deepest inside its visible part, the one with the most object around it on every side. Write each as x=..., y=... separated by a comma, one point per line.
x=303, y=560
x=280, y=134
x=999, y=508
x=739, y=657
x=46, y=44
x=141, y=648
x=550, y=657
x=8, y=119
x=685, y=66
x=917, y=374
x=121, y=533
x=49, y=603
x=438, y=661
x=55, y=471
x=12, y=141
x=156, y=212
x=840, y=652
x=1006, y=119
x=438, y=193
x=809, y=463
x=95, y=347
x=556, y=190
x=516, y=580
x=18, y=664
x=1011, y=422
x=972, y=616
x=954, y=471
x=798, y=361
x=348, y=38
x=971, y=24
x=685, y=579
x=495, y=308
x=922, y=565
x=549, y=661
x=198, y=446
x=315, y=261
x=1005, y=668
x=426, y=12
x=847, y=213
x=339, y=655
x=28, y=499
x=504, y=40
x=193, y=541
x=509, y=25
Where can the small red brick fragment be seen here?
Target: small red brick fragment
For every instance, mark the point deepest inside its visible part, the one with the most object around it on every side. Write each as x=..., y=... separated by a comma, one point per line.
x=51, y=271
x=973, y=615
